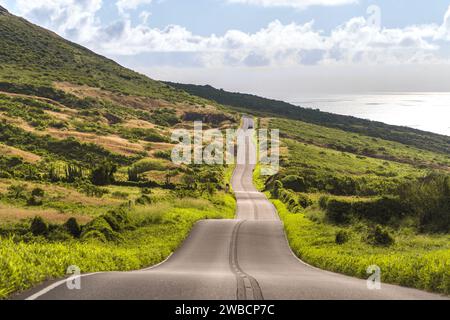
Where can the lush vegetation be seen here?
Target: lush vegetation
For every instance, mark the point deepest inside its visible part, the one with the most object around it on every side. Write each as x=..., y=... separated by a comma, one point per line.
x=123, y=239
x=33, y=55
x=85, y=170
x=85, y=161
x=346, y=204
x=411, y=260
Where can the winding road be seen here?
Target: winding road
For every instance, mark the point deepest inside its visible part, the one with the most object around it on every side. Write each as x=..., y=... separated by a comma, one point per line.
x=245, y=259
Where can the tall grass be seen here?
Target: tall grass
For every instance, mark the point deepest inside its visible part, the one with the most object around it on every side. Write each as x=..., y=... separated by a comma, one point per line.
x=161, y=228
x=416, y=261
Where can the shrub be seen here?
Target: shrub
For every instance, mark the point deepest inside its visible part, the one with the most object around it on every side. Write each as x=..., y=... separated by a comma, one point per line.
x=290, y=199
x=167, y=155
x=384, y=211
x=295, y=183
x=38, y=226
x=118, y=219
x=73, y=227
x=38, y=192
x=103, y=174
x=380, y=236
x=276, y=188
x=92, y=191
x=338, y=211
x=143, y=200
x=323, y=202
x=17, y=191
x=99, y=229
x=143, y=166
x=342, y=237
x=34, y=201
x=304, y=201
x=429, y=201
x=120, y=195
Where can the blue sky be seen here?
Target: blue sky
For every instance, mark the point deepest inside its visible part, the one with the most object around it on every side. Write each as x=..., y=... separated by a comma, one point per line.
x=271, y=47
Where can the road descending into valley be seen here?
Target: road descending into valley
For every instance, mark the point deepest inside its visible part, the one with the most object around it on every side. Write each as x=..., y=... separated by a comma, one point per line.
x=245, y=259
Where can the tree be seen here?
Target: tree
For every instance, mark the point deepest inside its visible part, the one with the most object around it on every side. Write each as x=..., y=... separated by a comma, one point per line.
x=73, y=172
x=103, y=174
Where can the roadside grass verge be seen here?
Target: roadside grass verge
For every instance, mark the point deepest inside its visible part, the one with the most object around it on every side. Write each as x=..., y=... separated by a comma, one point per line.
x=159, y=229
x=416, y=261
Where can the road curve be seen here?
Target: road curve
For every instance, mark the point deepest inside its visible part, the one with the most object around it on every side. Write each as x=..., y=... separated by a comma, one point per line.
x=245, y=259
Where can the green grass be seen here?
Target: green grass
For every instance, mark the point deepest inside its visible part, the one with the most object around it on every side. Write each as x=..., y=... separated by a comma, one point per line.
x=343, y=173
x=416, y=261
x=33, y=55
x=162, y=228
x=358, y=144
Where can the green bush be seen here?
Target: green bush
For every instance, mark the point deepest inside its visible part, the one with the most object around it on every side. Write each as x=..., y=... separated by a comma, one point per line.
x=338, y=211
x=118, y=219
x=277, y=186
x=387, y=210
x=34, y=201
x=429, y=201
x=73, y=227
x=304, y=201
x=342, y=237
x=38, y=192
x=99, y=229
x=38, y=226
x=380, y=236
x=103, y=174
x=17, y=191
x=143, y=200
x=295, y=183
x=120, y=195
x=323, y=202
x=167, y=155
x=143, y=166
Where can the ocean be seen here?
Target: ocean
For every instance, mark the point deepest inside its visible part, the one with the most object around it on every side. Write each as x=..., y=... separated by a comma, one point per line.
x=423, y=111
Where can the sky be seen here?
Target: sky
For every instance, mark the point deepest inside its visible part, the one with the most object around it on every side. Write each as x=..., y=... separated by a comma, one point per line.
x=275, y=48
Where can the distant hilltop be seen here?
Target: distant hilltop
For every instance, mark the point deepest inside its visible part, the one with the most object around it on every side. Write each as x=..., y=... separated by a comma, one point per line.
x=3, y=10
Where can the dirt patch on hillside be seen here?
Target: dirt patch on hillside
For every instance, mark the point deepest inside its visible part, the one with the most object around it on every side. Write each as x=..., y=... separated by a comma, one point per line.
x=137, y=102
x=112, y=143
x=10, y=214
x=26, y=156
x=136, y=123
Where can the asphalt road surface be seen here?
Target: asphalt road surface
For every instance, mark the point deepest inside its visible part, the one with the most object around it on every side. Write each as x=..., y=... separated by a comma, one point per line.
x=245, y=259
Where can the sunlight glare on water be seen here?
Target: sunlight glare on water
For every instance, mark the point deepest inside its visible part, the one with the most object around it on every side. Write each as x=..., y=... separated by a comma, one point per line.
x=423, y=111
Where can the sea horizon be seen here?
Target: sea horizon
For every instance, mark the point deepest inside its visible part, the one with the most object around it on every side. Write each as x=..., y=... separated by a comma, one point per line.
x=426, y=111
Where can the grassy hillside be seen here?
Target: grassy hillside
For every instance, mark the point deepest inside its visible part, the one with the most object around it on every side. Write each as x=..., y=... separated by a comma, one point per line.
x=85, y=161
x=33, y=55
x=349, y=201
x=262, y=106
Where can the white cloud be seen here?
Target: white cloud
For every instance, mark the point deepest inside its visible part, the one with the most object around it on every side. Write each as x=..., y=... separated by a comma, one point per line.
x=74, y=19
x=144, y=16
x=444, y=31
x=277, y=44
x=124, y=5
x=300, y=4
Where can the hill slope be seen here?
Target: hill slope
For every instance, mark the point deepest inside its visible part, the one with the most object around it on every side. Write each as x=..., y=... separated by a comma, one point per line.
x=33, y=55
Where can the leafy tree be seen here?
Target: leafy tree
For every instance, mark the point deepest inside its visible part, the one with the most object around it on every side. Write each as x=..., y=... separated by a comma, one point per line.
x=429, y=200
x=103, y=174
x=38, y=226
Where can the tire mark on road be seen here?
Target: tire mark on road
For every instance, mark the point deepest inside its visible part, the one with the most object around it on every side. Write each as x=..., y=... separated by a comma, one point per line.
x=247, y=286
